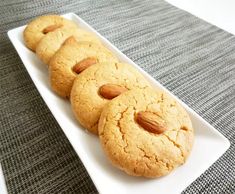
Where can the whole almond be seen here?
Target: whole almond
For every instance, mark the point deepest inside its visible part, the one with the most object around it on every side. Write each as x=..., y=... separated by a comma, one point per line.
x=51, y=28
x=110, y=91
x=82, y=65
x=151, y=122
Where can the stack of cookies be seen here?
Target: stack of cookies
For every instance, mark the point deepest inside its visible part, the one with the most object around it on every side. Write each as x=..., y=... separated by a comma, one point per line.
x=142, y=130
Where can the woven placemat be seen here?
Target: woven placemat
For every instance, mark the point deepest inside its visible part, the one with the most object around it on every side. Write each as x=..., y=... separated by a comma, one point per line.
x=193, y=59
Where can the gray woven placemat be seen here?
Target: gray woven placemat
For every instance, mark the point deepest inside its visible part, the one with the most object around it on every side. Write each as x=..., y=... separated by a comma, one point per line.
x=192, y=58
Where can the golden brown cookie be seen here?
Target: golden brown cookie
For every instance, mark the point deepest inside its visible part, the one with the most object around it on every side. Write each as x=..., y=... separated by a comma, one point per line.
x=43, y=25
x=97, y=85
x=71, y=59
x=145, y=133
x=50, y=43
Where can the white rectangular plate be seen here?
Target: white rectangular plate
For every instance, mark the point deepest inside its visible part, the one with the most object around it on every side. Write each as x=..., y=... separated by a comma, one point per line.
x=208, y=147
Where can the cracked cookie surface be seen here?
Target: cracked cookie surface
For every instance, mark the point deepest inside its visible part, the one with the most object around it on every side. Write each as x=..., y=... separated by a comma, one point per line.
x=86, y=101
x=71, y=53
x=137, y=151
x=52, y=41
x=35, y=30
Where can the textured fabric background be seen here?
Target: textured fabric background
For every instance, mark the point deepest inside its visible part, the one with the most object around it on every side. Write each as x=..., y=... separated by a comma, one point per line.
x=193, y=59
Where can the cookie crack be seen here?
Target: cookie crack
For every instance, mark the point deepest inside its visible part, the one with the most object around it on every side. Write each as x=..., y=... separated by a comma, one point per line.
x=144, y=153
x=175, y=144
x=135, y=101
x=120, y=128
x=84, y=83
x=166, y=164
x=121, y=131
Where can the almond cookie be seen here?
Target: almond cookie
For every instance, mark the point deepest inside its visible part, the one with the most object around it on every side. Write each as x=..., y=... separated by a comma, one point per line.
x=71, y=59
x=50, y=43
x=43, y=25
x=97, y=85
x=145, y=133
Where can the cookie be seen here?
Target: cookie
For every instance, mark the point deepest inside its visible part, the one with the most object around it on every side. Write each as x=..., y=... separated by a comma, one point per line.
x=50, y=43
x=97, y=85
x=145, y=133
x=71, y=59
x=43, y=25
